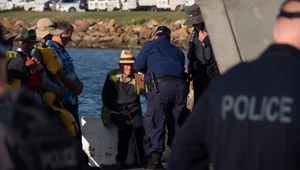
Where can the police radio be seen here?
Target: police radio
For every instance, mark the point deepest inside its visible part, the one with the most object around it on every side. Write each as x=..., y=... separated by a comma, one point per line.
x=154, y=82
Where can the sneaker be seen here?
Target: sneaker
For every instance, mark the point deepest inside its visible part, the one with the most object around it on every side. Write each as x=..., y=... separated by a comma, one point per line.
x=155, y=162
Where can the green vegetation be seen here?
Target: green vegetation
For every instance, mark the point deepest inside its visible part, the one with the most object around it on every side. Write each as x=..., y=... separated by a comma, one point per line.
x=122, y=17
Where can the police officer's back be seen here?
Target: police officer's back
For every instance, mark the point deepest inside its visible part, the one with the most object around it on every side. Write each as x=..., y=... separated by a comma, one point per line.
x=253, y=121
x=163, y=64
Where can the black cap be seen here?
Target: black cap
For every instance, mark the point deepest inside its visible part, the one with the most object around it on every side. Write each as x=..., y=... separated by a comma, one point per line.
x=194, y=15
x=163, y=30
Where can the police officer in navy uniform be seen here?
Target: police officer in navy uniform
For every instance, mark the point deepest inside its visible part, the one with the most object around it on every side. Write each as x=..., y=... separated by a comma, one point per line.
x=163, y=65
x=202, y=66
x=252, y=121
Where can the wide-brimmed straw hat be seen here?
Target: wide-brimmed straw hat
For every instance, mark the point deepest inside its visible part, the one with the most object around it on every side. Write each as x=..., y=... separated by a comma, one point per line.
x=194, y=15
x=46, y=26
x=27, y=36
x=127, y=57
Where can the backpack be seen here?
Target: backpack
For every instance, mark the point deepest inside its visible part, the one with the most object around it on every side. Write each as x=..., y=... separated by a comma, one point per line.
x=32, y=140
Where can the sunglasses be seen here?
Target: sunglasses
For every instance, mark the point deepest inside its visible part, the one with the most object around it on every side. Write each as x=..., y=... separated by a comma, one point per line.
x=289, y=15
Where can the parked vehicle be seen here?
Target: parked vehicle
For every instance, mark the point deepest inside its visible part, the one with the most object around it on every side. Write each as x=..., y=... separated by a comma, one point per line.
x=83, y=4
x=93, y=5
x=69, y=6
x=129, y=5
x=3, y=5
x=176, y=5
x=50, y=5
x=19, y=4
x=34, y=5
x=155, y=5
x=189, y=2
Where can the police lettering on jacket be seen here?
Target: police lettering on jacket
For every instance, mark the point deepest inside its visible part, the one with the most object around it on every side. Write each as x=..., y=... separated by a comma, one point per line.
x=254, y=108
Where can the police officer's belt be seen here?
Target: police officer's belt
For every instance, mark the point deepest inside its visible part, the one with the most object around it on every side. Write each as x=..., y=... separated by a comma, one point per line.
x=162, y=79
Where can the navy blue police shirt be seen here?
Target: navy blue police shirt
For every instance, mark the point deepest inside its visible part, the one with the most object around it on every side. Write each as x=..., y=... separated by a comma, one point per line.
x=162, y=58
x=248, y=119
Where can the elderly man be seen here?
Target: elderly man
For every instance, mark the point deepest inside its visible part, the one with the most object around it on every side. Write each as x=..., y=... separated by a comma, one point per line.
x=202, y=65
x=68, y=75
x=163, y=66
x=120, y=95
x=249, y=117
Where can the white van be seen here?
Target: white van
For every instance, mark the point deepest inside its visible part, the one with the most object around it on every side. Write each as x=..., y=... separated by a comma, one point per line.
x=150, y=5
x=154, y=5
x=93, y=5
x=177, y=5
x=108, y=5
x=32, y=5
x=129, y=5
x=173, y=5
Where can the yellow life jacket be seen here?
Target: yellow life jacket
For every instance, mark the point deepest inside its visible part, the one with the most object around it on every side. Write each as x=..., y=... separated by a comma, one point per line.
x=67, y=118
x=14, y=83
x=50, y=59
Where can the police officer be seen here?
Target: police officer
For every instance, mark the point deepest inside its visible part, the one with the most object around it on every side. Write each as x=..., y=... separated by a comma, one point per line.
x=202, y=65
x=163, y=65
x=253, y=121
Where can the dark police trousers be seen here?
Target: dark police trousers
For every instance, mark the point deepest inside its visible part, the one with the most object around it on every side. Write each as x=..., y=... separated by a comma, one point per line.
x=168, y=106
x=124, y=135
x=200, y=82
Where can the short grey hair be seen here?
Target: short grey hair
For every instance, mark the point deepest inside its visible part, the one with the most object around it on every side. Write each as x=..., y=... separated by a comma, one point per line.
x=66, y=26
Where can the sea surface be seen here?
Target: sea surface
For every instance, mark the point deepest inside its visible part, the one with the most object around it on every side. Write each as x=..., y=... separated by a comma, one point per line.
x=92, y=66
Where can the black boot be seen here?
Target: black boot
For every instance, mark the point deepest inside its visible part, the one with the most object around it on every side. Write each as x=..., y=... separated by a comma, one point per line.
x=155, y=162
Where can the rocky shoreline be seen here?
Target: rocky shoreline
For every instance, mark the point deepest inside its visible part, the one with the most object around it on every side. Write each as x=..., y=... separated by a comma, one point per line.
x=108, y=33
